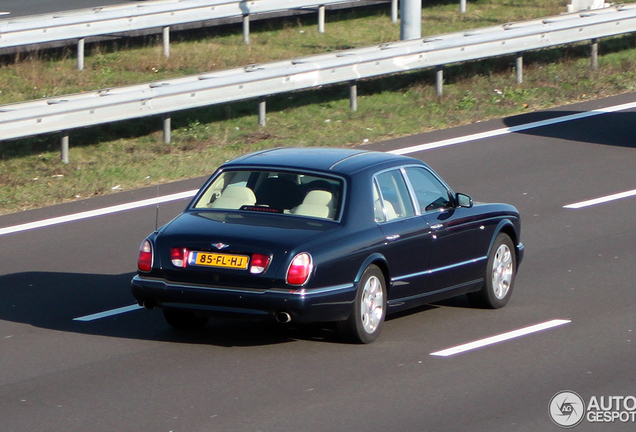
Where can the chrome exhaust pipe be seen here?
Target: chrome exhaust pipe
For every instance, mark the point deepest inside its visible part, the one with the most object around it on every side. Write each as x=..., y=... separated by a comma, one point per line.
x=283, y=317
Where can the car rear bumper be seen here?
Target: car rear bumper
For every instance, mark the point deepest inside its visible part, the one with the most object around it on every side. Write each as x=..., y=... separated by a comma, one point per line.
x=303, y=305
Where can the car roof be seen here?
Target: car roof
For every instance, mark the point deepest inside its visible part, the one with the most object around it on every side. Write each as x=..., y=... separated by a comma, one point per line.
x=337, y=160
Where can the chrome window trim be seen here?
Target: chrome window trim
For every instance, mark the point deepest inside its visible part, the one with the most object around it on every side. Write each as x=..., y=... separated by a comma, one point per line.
x=375, y=182
x=376, y=186
x=414, y=199
x=411, y=190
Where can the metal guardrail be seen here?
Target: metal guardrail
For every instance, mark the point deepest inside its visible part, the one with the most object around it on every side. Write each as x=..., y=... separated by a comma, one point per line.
x=132, y=17
x=83, y=23
x=261, y=80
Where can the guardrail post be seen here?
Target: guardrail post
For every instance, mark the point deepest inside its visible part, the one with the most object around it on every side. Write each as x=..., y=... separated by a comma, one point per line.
x=462, y=6
x=394, y=11
x=594, y=54
x=246, y=29
x=353, y=96
x=167, y=128
x=321, y=19
x=519, y=68
x=411, y=15
x=65, y=147
x=439, y=81
x=166, y=42
x=262, y=111
x=80, y=54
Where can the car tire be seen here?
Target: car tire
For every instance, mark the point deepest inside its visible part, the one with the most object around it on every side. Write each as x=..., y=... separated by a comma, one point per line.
x=184, y=320
x=369, y=308
x=500, y=275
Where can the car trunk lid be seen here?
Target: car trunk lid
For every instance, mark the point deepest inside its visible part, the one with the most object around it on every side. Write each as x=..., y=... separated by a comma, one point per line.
x=227, y=242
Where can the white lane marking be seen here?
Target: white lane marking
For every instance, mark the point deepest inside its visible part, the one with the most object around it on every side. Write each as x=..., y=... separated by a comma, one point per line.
x=97, y=212
x=407, y=150
x=500, y=338
x=108, y=313
x=512, y=129
x=601, y=200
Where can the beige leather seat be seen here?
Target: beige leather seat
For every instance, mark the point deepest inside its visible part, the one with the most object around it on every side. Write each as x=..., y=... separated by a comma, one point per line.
x=377, y=208
x=317, y=203
x=234, y=197
x=390, y=210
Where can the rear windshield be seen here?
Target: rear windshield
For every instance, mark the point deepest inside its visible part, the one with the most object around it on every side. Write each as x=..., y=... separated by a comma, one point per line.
x=287, y=193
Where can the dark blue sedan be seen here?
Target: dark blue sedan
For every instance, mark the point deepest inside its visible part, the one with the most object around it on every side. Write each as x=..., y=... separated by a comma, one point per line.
x=318, y=235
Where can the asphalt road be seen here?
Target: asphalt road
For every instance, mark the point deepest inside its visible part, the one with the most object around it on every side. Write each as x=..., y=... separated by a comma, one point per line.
x=131, y=372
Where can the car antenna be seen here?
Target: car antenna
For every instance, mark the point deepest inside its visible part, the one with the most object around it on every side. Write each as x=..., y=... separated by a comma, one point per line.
x=157, y=211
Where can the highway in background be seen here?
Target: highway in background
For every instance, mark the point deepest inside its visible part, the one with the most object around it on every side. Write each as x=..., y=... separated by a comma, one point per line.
x=132, y=372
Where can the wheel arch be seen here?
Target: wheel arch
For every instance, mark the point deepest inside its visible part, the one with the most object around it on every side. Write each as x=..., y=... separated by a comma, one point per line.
x=506, y=227
x=380, y=261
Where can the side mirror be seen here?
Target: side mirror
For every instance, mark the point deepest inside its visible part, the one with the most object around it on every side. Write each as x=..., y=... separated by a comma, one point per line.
x=463, y=200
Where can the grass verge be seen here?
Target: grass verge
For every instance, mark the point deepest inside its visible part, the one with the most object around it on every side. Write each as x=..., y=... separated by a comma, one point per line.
x=131, y=154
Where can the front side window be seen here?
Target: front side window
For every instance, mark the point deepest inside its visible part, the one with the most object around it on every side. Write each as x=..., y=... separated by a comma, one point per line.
x=394, y=198
x=431, y=193
x=293, y=193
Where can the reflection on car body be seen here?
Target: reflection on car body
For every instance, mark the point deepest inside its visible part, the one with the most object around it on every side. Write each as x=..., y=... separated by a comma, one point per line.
x=317, y=235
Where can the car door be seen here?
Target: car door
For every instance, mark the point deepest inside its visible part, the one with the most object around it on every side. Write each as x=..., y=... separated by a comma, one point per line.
x=458, y=238
x=407, y=235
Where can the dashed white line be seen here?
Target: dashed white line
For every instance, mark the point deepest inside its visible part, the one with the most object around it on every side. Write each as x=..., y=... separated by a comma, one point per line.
x=108, y=313
x=601, y=200
x=512, y=129
x=97, y=212
x=500, y=338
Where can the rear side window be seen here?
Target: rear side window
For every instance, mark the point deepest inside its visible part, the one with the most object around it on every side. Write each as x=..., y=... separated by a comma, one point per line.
x=394, y=198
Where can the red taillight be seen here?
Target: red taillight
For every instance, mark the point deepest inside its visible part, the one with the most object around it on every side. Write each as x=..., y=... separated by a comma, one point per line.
x=179, y=257
x=299, y=269
x=258, y=263
x=144, y=263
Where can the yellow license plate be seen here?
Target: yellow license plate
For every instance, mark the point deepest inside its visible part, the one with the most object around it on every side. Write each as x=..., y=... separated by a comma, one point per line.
x=219, y=260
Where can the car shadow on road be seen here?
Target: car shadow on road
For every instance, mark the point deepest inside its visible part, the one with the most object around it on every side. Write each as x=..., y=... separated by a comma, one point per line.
x=454, y=302
x=613, y=129
x=53, y=300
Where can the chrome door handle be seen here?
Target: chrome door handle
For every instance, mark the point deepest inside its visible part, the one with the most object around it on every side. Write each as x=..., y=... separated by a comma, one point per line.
x=436, y=227
x=392, y=237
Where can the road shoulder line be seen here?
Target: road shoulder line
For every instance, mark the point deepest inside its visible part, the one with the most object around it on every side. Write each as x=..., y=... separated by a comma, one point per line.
x=98, y=212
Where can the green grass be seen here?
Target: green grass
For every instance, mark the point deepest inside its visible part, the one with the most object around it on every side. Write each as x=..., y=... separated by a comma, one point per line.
x=128, y=155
